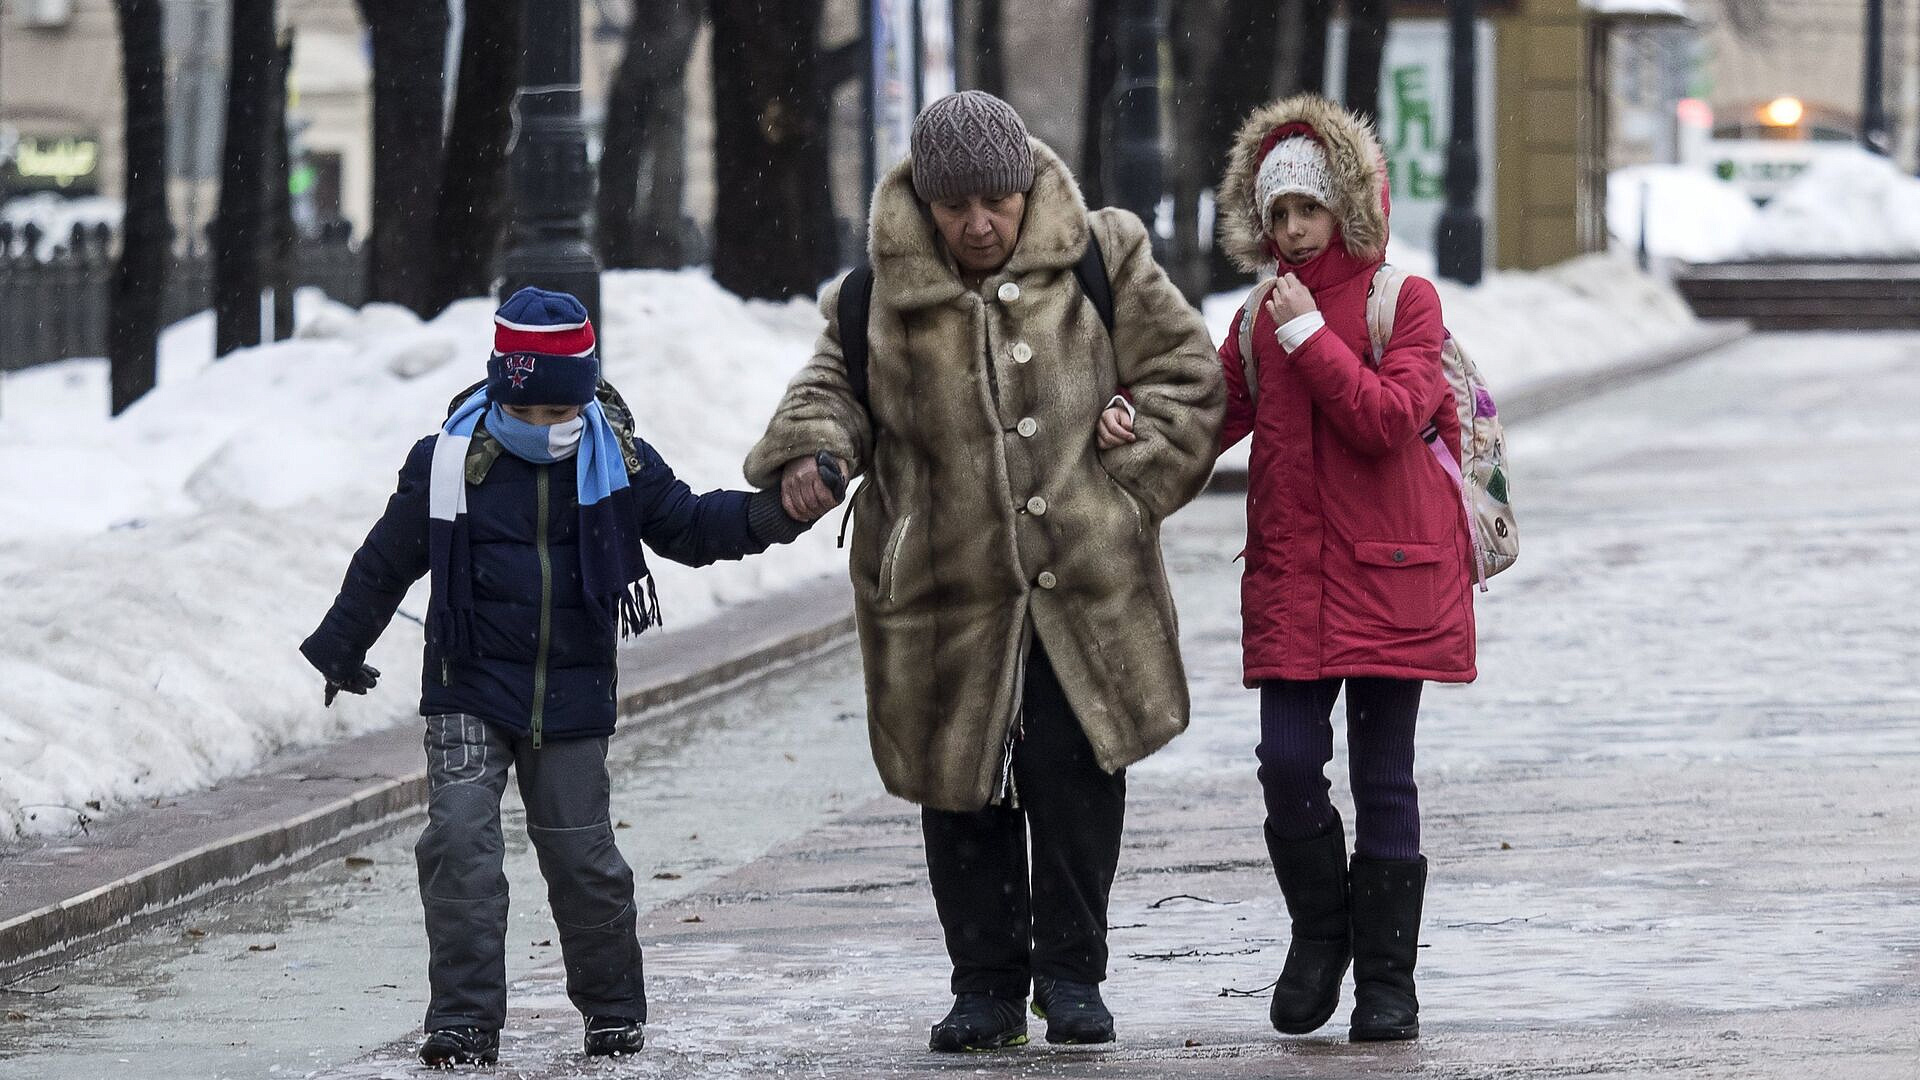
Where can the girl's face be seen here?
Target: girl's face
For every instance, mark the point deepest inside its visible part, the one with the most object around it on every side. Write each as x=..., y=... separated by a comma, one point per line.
x=1300, y=227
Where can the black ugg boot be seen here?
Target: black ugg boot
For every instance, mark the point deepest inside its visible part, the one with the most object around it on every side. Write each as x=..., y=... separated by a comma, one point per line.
x=1313, y=877
x=1387, y=895
x=980, y=1022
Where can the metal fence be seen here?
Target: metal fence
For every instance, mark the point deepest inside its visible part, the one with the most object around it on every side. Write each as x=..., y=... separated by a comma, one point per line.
x=55, y=298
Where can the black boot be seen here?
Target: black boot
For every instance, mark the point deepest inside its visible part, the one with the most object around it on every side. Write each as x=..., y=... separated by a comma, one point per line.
x=452, y=1046
x=1073, y=1011
x=611, y=1036
x=1387, y=894
x=1313, y=877
x=980, y=1022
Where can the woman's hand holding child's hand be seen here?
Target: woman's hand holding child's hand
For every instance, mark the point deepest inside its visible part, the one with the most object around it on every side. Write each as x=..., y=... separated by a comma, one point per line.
x=1289, y=300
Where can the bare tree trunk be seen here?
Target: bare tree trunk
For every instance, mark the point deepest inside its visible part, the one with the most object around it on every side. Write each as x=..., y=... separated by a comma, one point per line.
x=470, y=216
x=145, y=234
x=1312, y=69
x=1195, y=45
x=409, y=100
x=773, y=233
x=645, y=133
x=1367, y=22
x=1243, y=80
x=279, y=255
x=1103, y=73
x=982, y=44
x=237, y=228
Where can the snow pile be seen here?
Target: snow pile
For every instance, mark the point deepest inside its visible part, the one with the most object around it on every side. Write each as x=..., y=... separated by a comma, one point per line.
x=55, y=216
x=1846, y=205
x=161, y=568
x=1691, y=215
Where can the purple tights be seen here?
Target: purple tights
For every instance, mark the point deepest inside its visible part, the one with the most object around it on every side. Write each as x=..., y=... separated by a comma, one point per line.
x=1296, y=742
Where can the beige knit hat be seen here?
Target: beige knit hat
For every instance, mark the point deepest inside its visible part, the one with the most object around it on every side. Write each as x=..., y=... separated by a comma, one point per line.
x=970, y=143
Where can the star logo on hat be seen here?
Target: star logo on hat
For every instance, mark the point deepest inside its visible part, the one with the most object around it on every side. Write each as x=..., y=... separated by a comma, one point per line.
x=519, y=368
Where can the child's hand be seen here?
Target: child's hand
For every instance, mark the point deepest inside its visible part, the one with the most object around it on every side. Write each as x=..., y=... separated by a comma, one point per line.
x=353, y=682
x=804, y=495
x=1115, y=427
x=1289, y=300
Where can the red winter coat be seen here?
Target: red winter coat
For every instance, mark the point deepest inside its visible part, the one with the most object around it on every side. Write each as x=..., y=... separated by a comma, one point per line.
x=1357, y=557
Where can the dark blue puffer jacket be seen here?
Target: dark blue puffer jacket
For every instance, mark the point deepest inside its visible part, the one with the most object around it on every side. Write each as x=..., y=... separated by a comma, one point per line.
x=566, y=689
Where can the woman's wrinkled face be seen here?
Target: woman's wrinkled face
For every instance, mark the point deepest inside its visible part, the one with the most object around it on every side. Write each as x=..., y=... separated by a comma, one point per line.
x=981, y=230
x=1300, y=226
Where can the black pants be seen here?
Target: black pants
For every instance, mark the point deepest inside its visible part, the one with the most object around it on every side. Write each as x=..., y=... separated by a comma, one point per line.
x=1001, y=931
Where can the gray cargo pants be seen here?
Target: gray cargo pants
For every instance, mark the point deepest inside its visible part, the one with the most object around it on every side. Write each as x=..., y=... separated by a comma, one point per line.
x=464, y=889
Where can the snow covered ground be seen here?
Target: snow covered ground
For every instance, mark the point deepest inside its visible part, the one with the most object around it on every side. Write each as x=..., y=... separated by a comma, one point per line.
x=159, y=568
x=1849, y=204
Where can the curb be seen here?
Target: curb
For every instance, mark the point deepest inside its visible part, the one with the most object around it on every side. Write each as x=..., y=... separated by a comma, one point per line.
x=1556, y=392
x=378, y=783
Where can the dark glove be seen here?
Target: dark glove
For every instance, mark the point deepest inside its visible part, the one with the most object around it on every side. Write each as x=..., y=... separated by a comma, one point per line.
x=767, y=519
x=358, y=681
x=830, y=475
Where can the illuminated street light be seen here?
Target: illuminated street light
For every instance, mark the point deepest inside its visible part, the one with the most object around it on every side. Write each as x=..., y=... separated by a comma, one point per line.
x=1783, y=112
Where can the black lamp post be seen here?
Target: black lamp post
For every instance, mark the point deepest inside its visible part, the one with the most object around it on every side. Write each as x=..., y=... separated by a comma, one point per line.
x=1462, y=239
x=1873, y=105
x=552, y=185
x=1136, y=176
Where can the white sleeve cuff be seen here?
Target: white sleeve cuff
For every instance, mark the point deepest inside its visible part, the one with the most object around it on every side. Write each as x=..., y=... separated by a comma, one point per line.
x=1298, y=329
x=1121, y=400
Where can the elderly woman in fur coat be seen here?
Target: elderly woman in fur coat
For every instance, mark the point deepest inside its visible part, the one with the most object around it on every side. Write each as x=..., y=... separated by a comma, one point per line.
x=1017, y=631
x=1358, y=551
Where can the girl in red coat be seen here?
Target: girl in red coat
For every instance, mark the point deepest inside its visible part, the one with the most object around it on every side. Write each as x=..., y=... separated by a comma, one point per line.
x=1357, y=560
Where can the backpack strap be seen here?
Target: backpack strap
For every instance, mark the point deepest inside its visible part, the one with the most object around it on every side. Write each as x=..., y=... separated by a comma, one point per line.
x=1092, y=272
x=855, y=304
x=1383, y=301
x=1250, y=314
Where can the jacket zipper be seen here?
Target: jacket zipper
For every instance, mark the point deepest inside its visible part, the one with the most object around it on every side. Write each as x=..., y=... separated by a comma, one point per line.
x=546, y=603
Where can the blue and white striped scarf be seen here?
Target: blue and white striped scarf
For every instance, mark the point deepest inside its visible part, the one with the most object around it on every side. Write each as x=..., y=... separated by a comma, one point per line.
x=612, y=566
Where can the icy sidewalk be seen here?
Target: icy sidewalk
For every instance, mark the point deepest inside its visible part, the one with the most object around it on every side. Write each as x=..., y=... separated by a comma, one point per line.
x=1671, y=827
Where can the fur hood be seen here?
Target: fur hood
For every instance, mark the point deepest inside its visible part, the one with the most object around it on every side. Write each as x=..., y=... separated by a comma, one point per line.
x=1353, y=157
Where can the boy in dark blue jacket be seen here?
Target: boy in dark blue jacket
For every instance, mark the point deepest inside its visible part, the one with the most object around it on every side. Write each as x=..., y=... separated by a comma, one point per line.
x=528, y=509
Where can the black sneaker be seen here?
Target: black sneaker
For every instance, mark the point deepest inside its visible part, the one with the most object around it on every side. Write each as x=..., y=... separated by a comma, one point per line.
x=1073, y=1011
x=447, y=1047
x=980, y=1022
x=610, y=1036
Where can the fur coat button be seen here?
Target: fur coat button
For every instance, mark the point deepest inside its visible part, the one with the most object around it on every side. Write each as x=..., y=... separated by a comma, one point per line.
x=1022, y=352
x=1026, y=427
x=1037, y=506
x=1046, y=580
x=1009, y=292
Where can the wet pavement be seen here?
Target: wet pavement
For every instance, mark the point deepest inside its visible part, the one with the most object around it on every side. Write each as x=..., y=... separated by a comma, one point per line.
x=1674, y=828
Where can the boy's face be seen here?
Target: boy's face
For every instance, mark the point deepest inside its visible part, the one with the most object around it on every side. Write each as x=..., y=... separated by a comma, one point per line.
x=981, y=230
x=544, y=415
x=1300, y=226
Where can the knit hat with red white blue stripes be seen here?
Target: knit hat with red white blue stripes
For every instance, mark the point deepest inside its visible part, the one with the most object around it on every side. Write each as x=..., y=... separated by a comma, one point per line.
x=543, y=351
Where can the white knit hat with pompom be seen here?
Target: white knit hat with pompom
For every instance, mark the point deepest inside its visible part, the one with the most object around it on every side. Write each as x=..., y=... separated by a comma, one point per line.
x=1295, y=166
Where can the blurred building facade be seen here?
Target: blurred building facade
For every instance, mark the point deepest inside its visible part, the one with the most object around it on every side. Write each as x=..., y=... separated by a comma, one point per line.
x=1553, y=73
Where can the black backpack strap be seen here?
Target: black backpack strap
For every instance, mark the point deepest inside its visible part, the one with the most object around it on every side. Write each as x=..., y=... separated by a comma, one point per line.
x=1092, y=272
x=856, y=301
